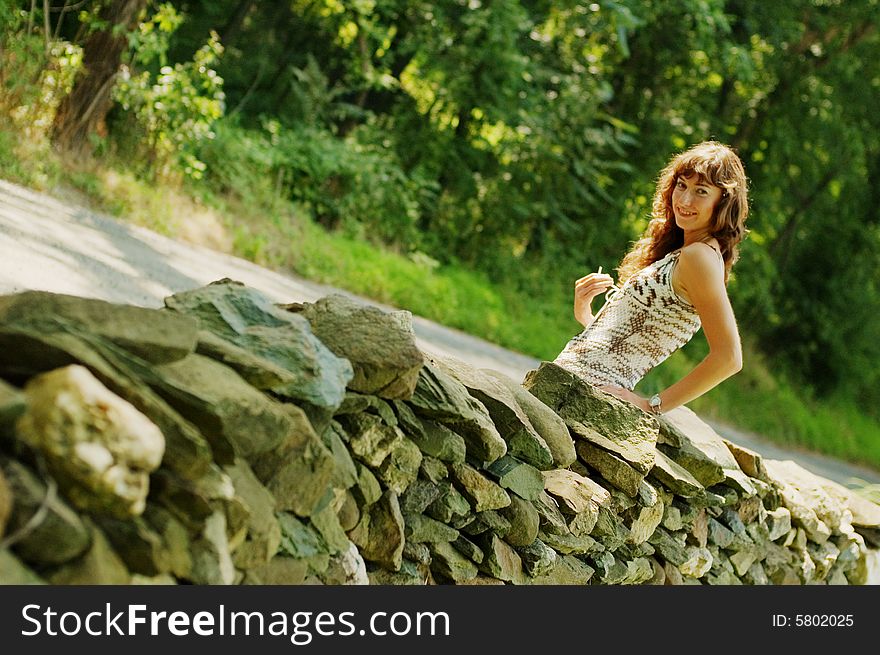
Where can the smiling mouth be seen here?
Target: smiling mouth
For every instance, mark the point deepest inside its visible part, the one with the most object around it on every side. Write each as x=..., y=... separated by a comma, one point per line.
x=686, y=213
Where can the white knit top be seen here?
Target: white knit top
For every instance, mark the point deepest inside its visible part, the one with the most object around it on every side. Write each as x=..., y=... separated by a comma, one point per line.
x=639, y=326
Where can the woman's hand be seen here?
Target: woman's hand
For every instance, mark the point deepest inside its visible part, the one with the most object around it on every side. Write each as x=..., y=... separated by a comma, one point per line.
x=587, y=288
x=628, y=396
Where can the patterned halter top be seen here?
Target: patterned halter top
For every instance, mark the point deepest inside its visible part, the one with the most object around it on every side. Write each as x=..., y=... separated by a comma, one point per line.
x=639, y=326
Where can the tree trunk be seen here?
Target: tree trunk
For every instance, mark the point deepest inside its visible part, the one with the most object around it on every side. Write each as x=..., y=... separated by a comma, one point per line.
x=82, y=112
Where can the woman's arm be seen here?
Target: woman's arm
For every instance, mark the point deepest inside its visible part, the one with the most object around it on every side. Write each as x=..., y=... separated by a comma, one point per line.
x=702, y=276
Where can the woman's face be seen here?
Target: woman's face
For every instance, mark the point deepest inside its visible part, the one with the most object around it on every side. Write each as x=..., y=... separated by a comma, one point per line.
x=693, y=201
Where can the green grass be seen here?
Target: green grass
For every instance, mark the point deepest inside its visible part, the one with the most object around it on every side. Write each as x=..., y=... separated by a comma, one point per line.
x=276, y=234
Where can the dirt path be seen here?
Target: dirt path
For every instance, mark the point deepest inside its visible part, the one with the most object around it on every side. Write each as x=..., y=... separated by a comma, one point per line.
x=61, y=247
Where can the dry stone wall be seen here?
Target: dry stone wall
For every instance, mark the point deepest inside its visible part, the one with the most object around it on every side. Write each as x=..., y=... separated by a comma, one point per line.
x=224, y=439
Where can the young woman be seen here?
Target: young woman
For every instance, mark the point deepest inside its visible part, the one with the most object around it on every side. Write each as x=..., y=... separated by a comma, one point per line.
x=675, y=281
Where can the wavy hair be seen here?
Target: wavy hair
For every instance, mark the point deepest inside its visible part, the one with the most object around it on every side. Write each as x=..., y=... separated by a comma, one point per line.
x=713, y=162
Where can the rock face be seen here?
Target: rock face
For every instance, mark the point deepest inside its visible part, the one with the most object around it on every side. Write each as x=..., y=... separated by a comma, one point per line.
x=314, y=443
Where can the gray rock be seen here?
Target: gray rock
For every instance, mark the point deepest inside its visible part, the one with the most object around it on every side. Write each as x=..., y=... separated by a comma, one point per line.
x=468, y=548
x=248, y=319
x=238, y=420
x=501, y=561
x=449, y=563
x=450, y=505
x=441, y=397
x=569, y=544
x=700, y=450
x=538, y=558
x=669, y=547
x=380, y=533
x=344, y=471
x=12, y=405
x=433, y=469
x=368, y=489
x=99, y=565
x=482, y=492
x=418, y=496
x=175, y=539
x=380, y=346
x=518, y=477
x=346, y=568
x=438, y=441
x=43, y=529
x=543, y=419
x=488, y=521
x=644, y=522
x=140, y=545
x=675, y=478
x=511, y=421
x=423, y=529
x=280, y=570
x=596, y=416
x=611, y=467
x=550, y=517
x=153, y=335
x=326, y=522
x=751, y=463
x=567, y=570
x=263, y=534
x=698, y=562
x=576, y=495
x=299, y=471
x=401, y=467
x=370, y=439
x=524, y=522
x=814, y=505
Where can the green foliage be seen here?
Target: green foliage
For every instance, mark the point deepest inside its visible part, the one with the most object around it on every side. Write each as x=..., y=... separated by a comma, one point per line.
x=176, y=108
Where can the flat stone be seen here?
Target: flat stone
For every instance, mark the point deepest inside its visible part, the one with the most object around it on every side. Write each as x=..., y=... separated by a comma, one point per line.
x=596, y=416
x=380, y=345
x=698, y=562
x=368, y=489
x=238, y=420
x=299, y=540
x=12, y=405
x=401, y=467
x=524, y=522
x=501, y=561
x=670, y=548
x=611, y=467
x=175, y=538
x=750, y=462
x=441, y=397
x=139, y=544
x=433, y=469
x=153, y=335
x=550, y=516
x=482, y=492
x=468, y=548
x=675, y=478
x=447, y=562
x=380, y=534
x=543, y=419
x=567, y=570
x=344, y=471
x=280, y=570
x=516, y=476
x=371, y=440
x=423, y=529
x=299, y=471
x=436, y=440
x=326, y=522
x=701, y=450
x=59, y=537
x=249, y=319
x=570, y=544
x=512, y=422
x=418, y=496
x=346, y=568
x=610, y=530
x=644, y=523
x=488, y=521
x=575, y=493
x=263, y=534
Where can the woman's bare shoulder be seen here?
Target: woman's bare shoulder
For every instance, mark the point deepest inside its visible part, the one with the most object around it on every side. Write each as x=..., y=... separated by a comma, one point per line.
x=700, y=260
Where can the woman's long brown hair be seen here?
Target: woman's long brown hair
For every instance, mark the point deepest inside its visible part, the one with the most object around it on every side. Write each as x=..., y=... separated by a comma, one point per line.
x=713, y=162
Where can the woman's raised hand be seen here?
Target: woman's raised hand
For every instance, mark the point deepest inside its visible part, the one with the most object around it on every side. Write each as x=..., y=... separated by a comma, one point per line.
x=587, y=288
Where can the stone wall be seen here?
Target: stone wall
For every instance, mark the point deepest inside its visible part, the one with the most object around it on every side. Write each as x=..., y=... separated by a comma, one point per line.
x=227, y=440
